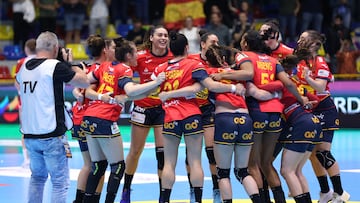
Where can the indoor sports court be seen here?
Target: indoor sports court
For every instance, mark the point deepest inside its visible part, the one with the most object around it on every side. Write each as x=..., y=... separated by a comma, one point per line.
x=14, y=178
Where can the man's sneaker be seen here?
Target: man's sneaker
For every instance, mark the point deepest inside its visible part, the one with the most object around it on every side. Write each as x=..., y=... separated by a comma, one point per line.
x=125, y=197
x=340, y=198
x=216, y=196
x=192, y=195
x=326, y=197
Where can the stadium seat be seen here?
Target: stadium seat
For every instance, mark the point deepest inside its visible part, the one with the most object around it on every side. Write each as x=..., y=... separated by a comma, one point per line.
x=6, y=32
x=111, y=32
x=13, y=52
x=5, y=72
x=123, y=29
x=78, y=51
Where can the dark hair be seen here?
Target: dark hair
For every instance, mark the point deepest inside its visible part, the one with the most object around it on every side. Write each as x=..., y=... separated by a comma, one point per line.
x=289, y=62
x=204, y=35
x=273, y=29
x=220, y=56
x=95, y=44
x=255, y=42
x=147, y=44
x=215, y=55
x=178, y=43
x=316, y=37
x=122, y=48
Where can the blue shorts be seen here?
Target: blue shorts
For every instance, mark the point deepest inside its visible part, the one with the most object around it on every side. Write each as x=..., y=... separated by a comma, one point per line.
x=327, y=136
x=189, y=126
x=265, y=122
x=147, y=117
x=207, y=115
x=79, y=134
x=299, y=147
x=328, y=115
x=233, y=128
x=301, y=131
x=99, y=128
x=73, y=21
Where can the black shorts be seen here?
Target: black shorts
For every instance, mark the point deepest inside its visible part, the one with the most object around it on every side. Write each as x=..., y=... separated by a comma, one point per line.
x=233, y=128
x=207, y=115
x=79, y=134
x=99, y=128
x=265, y=122
x=147, y=117
x=189, y=126
x=328, y=115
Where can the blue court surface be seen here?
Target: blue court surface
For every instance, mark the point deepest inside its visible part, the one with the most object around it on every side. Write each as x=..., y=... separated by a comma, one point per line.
x=14, y=179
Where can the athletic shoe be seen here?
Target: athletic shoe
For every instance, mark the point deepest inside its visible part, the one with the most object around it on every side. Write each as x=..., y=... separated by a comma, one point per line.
x=326, y=197
x=125, y=197
x=340, y=198
x=216, y=196
x=192, y=195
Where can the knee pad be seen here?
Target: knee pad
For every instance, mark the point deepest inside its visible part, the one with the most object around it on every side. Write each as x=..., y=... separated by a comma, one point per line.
x=223, y=173
x=241, y=173
x=117, y=172
x=118, y=169
x=160, y=157
x=210, y=155
x=325, y=158
x=98, y=168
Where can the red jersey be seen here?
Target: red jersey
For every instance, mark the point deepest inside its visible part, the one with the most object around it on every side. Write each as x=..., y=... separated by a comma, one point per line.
x=111, y=76
x=180, y=74
x=319, y=69
x=147, y=62
x=233, y=99
x=281, y=51
x=78, y=109
x=202, y=97
x=265, y=70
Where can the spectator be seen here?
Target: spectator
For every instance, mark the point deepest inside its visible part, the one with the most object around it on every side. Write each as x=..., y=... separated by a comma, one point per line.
x=99, y=14
x=346, y=58
x=192, y=34
x=74, y=16
x=137, y=33
x=23, y=16
x=219, y=29
x=142, y=10
x=343, y=9
x=215, y=6
x=118, y=12
x=312, y=14
x=336, y=33
x=288, y=12
x=47, y=14
x=241, y=26
x=41, y=87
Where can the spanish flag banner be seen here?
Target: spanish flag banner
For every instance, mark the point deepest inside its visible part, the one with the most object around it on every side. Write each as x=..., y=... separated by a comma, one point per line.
x=177, y=10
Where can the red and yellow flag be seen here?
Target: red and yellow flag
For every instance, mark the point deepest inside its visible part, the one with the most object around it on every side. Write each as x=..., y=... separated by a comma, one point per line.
x=177, y=10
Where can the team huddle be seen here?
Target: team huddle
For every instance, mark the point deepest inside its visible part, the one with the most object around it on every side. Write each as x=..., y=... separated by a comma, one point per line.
x=246, y=107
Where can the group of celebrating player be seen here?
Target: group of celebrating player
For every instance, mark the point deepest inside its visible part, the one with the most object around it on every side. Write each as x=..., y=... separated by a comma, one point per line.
x=247, y=105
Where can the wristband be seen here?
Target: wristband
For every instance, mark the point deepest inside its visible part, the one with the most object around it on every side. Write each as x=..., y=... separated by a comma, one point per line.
x=99, y=96
x=275, y=94
x=233, y=88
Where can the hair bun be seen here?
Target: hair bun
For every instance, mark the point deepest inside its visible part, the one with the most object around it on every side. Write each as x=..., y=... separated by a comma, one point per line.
x=173, y=35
